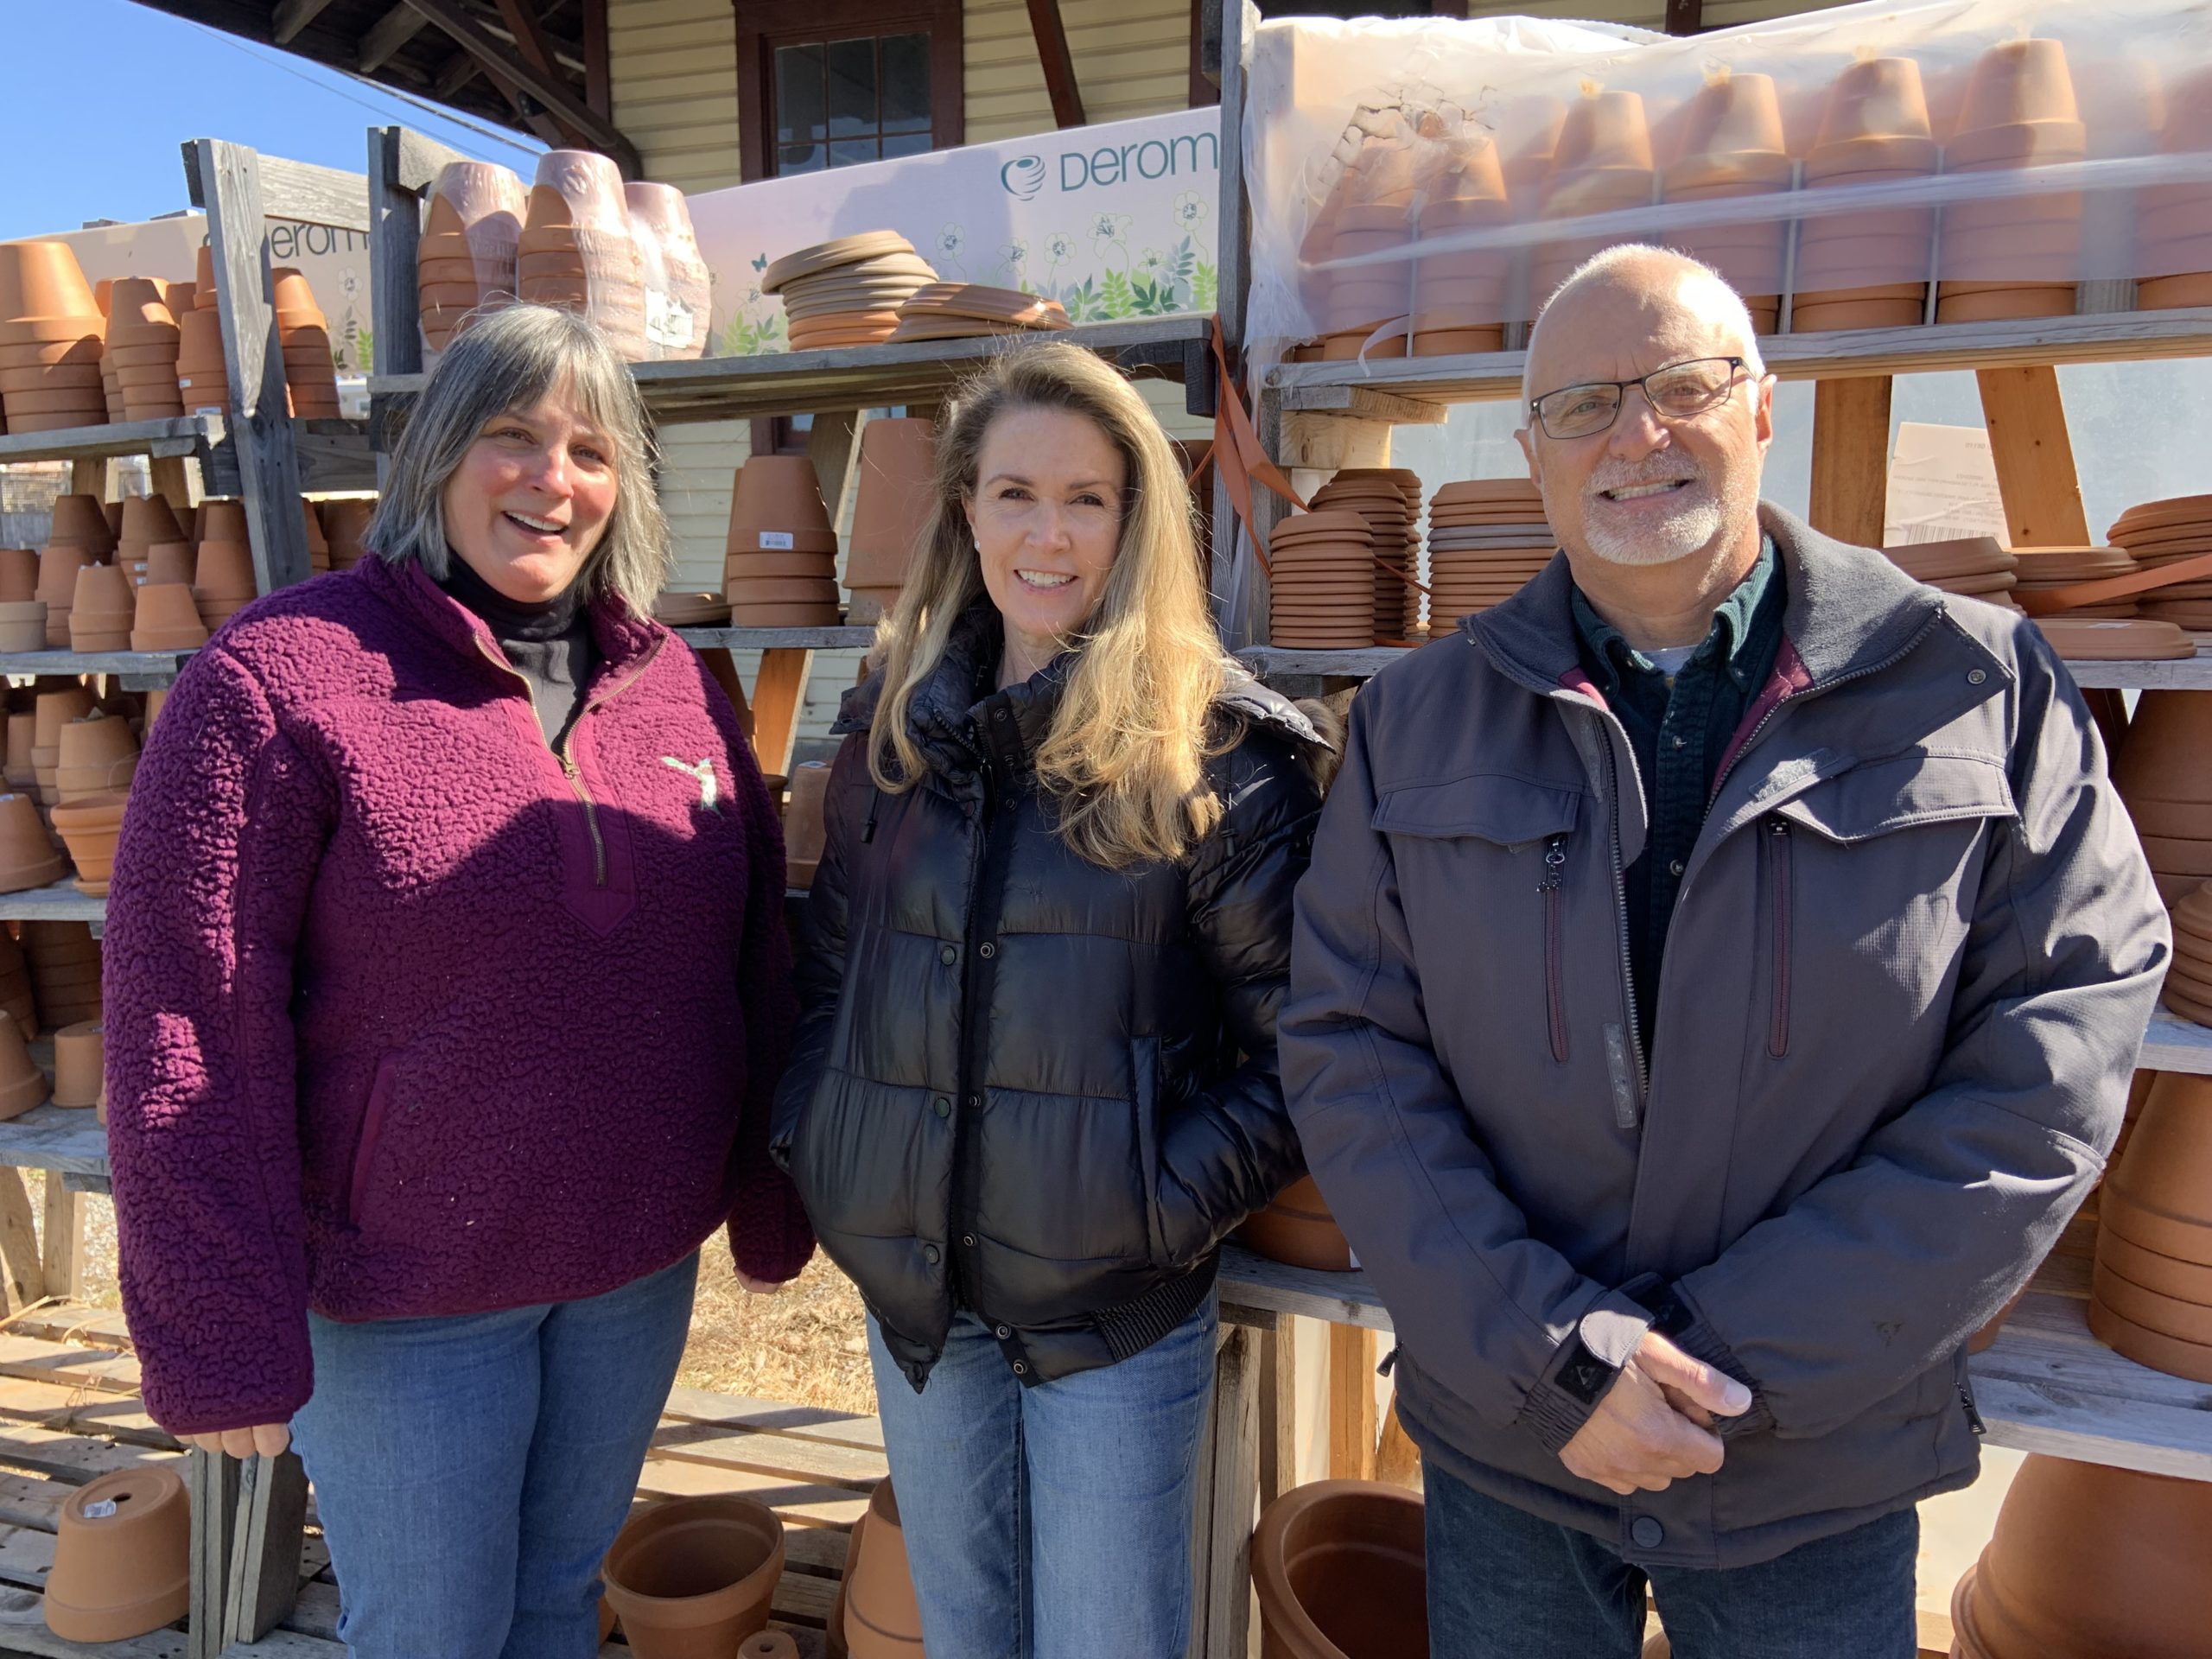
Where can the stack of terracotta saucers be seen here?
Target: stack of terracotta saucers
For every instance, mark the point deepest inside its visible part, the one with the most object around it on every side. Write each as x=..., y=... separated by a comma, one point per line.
x=142, y=344
x=50, y=340
x=963, y=310
x=2158, y=533
x=846, y=292
x=1321, y=582
x=780, y=570
x=2123, y=639
x=2039, y=569
x=310, y=368
x=680, y=610
x=2164, y=774
x=1388, y=498
x=1487, y=536
x=1978, y=567
x=2151, y=1296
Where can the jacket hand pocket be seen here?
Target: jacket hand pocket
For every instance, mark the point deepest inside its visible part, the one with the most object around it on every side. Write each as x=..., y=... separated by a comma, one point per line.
x=374, y=1118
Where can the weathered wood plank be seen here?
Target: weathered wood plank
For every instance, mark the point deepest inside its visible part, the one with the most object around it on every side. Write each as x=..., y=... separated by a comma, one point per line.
x=22, y=1275
x=64, y=1138
x=2028, y=439
x=1351, y=1403
x=270, y=1528
x=1236, y=1454
x=800, y=1502
x=772, y=1454
x=1851, y=459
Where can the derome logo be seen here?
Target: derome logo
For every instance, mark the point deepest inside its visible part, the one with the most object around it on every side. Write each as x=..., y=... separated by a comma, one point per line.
x=1023, y=177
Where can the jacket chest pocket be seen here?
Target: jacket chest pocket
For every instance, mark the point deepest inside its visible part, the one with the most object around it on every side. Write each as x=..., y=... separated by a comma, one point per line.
x=1484, y=866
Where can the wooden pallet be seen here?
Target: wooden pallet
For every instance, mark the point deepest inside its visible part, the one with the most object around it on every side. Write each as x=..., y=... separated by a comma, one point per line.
x=69, y=1412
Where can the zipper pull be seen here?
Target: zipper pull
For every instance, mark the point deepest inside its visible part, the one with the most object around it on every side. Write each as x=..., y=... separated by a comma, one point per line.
x=1974, y=1417
x=567, y=765
x=1554, y=863
x=1778, y=826
x=1389, y=1361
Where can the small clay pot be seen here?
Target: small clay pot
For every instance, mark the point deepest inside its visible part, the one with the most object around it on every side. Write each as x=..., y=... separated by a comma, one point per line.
x=898, y=469
x=79, y=1059
x=22, y=726
x=1297, y=1230
x=882, y=1620
x=42, y=279
x=777, y=492
x=691, y=1578
x=2019, y=81
x=26, y=857
x=101, y=610
x=88, y=827
x=805, y=831
x=223, y=575
x=121, y=1557
x=1339, y=1568
x=768, y=1644
x=97, y=754
x=82, y=521
x=22, y=625
x=23, y=1086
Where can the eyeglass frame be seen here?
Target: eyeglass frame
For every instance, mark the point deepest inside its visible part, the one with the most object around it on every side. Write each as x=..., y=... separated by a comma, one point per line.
x=1739, y=368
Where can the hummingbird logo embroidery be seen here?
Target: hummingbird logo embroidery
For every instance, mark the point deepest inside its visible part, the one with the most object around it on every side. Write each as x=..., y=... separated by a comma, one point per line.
x=710, y=791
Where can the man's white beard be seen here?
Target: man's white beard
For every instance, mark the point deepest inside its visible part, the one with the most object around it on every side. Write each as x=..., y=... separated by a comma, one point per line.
x=1697, y=524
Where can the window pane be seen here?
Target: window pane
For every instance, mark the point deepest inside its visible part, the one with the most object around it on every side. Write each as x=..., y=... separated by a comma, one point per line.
x=845, y=151
x=905, y=83
x=852, y=87
x=799, y=93
x=906, y=143
x=800, y=158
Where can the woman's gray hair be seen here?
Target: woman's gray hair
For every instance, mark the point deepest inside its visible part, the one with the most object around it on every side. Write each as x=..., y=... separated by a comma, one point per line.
x=504, y=363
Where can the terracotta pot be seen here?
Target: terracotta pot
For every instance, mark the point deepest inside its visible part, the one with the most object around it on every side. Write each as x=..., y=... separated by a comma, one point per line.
x=26, y=857
x=768, y=1644
x=2089, y=1563
x=881, y=1618
x=1340, y=1574
x=220, y=518
x=15, y=988
x=97, y=753
x=23, y=1086
x=101, y=611
x=1986, y=1338
x=88, y=827
x=121, y=1557
x=79, y=1059
x=169, y=561
x=2159, y=1194
x=81, y=521
x=833, y=1633
x=345, y=522
x=21, y=727
x=2018, y=81
x=18, y=574
x=146, y=520
x=803, y=831
x=55, y=709
x=777, y=492
x=166, y=618
x=42, y=279
x=678, y=288
x=222, y=576
x=692, y=1577
x=898, y=470
x=1297, y=1230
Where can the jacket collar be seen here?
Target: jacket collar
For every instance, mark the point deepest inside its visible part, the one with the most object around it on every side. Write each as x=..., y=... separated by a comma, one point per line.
x=624, y=640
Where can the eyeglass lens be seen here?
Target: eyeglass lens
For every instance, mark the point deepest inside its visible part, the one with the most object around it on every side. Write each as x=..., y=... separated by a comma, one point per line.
x=1677, y=392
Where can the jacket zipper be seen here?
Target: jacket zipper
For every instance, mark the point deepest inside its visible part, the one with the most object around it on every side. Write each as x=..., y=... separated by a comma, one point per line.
x=1555, y=1001
x=1779, y=882
x=1628, y=969
x=1974, y=1417
x=568, y=767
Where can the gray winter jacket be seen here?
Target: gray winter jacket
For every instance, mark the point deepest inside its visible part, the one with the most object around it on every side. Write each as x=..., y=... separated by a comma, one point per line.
x=1902, y=990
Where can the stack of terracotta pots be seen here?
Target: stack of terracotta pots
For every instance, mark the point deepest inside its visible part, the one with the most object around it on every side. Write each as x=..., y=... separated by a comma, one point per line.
x=223, y=579
x=88, y=827
x=310, y=366
x=465, y=259
x=1388, y=498
x=1732, y=146
x=1371, y=213
x=165, y=618
x=22, y=1084
x=1487, y=536
x=1602, y=165
x=2129, y=639
x=577, y=250
x=897, y=495
x=27, y=857
x=2164, y=773
x=51, y=333
x=2188, y=988
x=678, y=287
x=2158, y=533
x=1461, y=298
x=22, y=613
x=880, y=1619
x=65, y=962
x=16, y=999
x=2174, y=221
x=121, y=1557
x=1297, y=1230
x=345, y=523
x=149, y=522
x=2089, y=1562
x=2040, y=569
x=1979, y=567
x=964, y=310
x=2151, y=1297
x=79, y=1056
x=97, y=754
x=805, y=830
x=102, y=609
x=780, y=570
x=1321, y=581
x=80, y=536
x=52, y=713
x=1867, y=270
x=846, y=292
x=2014, y=256
x=111, y=388
x=142, y=344
x=694, y=1576
x=1339, y=1568
x=203, y=379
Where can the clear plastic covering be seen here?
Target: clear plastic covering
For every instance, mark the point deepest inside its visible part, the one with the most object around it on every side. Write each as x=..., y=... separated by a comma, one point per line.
x=678, y=291
x=1420, y=186
x=466, y=258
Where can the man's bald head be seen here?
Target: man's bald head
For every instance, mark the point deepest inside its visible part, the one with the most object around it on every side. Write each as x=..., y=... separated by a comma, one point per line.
x=1676, y=293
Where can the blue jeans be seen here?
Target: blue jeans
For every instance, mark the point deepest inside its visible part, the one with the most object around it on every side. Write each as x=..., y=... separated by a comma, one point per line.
x=1052, y=1521
x=471, y=1471
x=1504, y=1585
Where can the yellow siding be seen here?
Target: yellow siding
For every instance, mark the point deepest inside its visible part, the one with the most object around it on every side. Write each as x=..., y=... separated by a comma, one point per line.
x=1132, y=57
x=674, y=75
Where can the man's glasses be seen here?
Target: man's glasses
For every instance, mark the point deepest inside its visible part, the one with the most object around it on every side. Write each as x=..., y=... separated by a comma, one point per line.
x=1679, y=392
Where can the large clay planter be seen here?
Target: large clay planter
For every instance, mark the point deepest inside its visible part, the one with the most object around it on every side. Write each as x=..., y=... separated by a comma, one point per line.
x=79, y=1056
x=1340, y=1574
x=23, y=1086
x=1298, y=1230
x=121, y=1557
x=41, y=280
x=882, y=1620
x=26, y=857
x=2089, y=1563
x=97, y=754
x=897, y=490
x=89, y=826
x=692, y=1578
x=101, y=610
x=804, y=829
x=777, y=492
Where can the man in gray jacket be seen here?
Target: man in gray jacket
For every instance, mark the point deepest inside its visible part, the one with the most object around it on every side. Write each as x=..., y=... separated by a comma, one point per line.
x=1716, y=985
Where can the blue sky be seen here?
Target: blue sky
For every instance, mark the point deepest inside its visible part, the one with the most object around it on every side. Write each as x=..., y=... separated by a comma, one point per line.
x=101, y=140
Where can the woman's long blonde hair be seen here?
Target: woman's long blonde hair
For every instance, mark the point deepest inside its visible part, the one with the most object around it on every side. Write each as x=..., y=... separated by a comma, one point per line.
x=1124, y=755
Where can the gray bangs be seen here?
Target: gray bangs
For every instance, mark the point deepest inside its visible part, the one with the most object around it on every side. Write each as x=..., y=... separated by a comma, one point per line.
x=506, y=362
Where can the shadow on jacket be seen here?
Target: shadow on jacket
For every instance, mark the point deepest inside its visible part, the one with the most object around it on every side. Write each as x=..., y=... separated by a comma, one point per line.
x=1024, y=1084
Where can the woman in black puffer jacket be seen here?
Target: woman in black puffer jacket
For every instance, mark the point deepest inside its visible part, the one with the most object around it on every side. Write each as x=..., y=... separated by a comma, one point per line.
x=1034, y=1082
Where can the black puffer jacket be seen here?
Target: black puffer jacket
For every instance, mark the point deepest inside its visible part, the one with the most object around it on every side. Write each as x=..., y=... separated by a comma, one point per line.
x=1017, y=1088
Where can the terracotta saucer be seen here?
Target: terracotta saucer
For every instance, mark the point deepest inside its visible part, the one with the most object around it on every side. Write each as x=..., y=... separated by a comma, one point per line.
x=2135, y=639
x=2174, y=1356
x=690, y=610
x=2054, y=300
x=827, y=256
x=2169, y=1275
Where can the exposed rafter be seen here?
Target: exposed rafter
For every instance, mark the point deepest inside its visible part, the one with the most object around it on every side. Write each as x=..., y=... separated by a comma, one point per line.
x=504, y=66
x=291, y=16
x=387, y=36
x=1051, y=32
x=1685, y=17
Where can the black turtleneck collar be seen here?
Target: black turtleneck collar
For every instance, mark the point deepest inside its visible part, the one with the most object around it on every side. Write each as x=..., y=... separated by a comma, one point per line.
x=512, y=618
x=549, y=642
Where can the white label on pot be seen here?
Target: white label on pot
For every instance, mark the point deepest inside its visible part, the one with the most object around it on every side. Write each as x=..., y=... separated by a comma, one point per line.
x=102, y=1510
x=780, y=539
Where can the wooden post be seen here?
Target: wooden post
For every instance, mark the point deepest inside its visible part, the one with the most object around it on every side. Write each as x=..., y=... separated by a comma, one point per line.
x=271, y=1525
x=88, y=475
x=2034, y=455
x=1221, y=1618
x=1278, y=1409
x=22, y=1275
x=260, y=421
x=1231, y=578
x=777, y=694
x=1397, y=1459
x=167, y=475
x=1351, y=1403
x=61, y=1243
x=1851, y=459
x=212, y=1484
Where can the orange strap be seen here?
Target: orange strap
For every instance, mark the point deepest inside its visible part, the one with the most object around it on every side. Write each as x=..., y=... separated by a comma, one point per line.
x=1237, y=452
x=2196, y=568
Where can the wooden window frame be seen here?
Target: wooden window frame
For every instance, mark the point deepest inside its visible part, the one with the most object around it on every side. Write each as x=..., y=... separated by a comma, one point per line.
x=763, y=25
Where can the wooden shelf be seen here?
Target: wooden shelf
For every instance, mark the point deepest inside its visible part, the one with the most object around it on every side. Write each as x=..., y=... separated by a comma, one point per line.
x=837, y=638
x=60, y=903
x=140, y=671
x=2105, y=337
x=332, y=454
x=68, y=1138
x=2176, y=1044
x=867, y=376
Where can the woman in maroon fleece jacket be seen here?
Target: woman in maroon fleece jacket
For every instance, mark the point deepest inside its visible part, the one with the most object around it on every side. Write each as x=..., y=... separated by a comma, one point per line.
x=447, y=993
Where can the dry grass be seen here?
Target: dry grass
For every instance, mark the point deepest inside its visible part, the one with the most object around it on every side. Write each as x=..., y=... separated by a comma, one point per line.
x=807, y=1346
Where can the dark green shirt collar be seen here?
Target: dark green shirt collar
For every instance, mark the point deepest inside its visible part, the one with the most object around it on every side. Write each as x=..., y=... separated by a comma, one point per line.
x=1730, y=629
